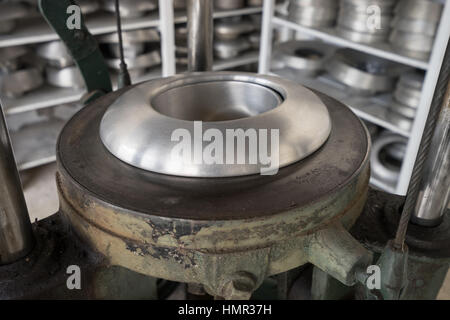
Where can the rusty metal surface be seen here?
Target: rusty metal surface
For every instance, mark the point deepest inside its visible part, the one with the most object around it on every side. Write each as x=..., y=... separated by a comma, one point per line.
x=82, y=155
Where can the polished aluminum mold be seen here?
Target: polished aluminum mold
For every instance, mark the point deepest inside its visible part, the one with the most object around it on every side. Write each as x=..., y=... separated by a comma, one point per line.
x=313, y=13
x=227, y=49
x=55, y=53
x=363, y=73
x=19, y=82
x=68, y=77
x=229, y=29
x=308, y=57
x=414, y=27
x=354, y=20
x=131, y=8
x=384, y=167
x=398, y=120
x=138, y=127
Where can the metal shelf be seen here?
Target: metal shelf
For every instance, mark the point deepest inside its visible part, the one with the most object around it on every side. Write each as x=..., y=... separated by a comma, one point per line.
x=37, y=30
x=35, y=144
x=329, y=35
x=242, y=60
x=372, y=109
x=49, y=96
x=44, y=97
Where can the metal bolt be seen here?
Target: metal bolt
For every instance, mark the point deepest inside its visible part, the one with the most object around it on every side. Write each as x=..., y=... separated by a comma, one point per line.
x=239, y=286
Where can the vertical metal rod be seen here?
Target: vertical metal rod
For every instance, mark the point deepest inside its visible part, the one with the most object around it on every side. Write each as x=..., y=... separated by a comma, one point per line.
x=265, y=52
x=434, y=191
x=16, y=235
x=124, y=76
x=167, y=28
x=424, y=151
x=200, y=35
x=429, y=85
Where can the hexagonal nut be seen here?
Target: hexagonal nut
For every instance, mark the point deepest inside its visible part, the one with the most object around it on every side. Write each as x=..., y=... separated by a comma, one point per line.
x=240, y=286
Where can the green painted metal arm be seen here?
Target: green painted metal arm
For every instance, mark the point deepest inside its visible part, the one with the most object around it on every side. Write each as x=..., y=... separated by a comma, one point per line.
x=81, y=45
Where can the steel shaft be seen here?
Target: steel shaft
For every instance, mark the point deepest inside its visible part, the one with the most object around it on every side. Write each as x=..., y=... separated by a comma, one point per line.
x=200, y=35
x=16, y=237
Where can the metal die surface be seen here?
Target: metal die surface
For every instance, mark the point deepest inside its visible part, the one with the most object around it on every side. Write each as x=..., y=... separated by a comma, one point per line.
x=242, y=101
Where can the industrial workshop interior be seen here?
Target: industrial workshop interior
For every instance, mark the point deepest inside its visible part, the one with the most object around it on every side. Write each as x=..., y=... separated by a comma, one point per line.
x=212, y=150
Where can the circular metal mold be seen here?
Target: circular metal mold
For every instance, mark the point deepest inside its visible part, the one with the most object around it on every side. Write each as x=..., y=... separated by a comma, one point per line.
x=85, y=161
x=399, y=121
x=315, y=3
x=412, y=79
x=382, y=166
x=306, y=56
x=312, y=13
x=146, y=60
x=131, y=37
x=69, y=77
x=227, y=49
x=402, y=109
x=131, y=8
x=361, y=37
x=427, y=28
x=365, y=73
x=19, y=82
x=408, y=96
x=232, y=29
x=55, y=53
x=397, y=151
x=419, y=10
x=224, y=101
x=229, y=4
x=411, y=41
x=88, y=6
x=362, y=5
x=358, y=22
x=421, y=55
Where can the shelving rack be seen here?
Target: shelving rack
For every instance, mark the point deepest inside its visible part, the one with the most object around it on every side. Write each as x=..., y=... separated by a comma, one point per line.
x=37, y=31
x=368, y=109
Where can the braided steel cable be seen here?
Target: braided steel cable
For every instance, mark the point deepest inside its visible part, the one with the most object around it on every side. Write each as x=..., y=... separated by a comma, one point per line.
x=423, y=152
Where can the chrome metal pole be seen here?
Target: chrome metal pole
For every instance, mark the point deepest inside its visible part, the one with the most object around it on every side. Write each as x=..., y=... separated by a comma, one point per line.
x=200, y=35
x=434, y=192
x=16, y=236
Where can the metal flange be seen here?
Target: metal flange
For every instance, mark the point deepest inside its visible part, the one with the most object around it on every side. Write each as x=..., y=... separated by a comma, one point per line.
x=364, y=73
x=17, y=83
x=382, y=167
x=131, y=8
x=309, y=57
x=55, y=53
x=227, y=49
x=68, y=77
x=419, y=10
x=231, y=29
